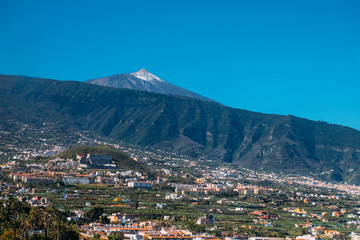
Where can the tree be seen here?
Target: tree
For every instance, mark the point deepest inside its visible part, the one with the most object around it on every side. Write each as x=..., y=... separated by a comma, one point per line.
x=104, y=219
x=57, y=231
x=27, y=225
x=18, y=220
x=134, y=204
x=94, y=213
x=8, y=235
x=196, y=227
x=46, y=217
x=60, y=231
x=10, y=212
x=96, y=236
x=72, y=233
x=116, y=236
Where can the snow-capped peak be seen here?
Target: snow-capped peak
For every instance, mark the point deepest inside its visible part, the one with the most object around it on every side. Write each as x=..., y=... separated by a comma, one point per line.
x=145, y=75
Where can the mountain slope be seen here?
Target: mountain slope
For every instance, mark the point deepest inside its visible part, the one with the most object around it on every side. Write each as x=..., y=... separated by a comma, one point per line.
x=143, y=80
x=188, y=126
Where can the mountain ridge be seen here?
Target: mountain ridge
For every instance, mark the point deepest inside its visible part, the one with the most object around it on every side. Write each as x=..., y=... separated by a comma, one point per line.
x=143, y=80
x=189, y=126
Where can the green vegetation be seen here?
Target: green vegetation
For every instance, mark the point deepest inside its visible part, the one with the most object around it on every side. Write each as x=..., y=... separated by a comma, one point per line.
x=183, y=125
x=42, y=115
x=121, y=159
x=19, y=221
x=116, y=236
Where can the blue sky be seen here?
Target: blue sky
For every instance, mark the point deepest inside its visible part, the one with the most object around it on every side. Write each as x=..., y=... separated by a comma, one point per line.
x=284, y=57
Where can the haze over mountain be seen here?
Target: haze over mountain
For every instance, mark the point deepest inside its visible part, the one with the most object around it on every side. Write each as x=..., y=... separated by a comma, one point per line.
x=143, y=80
x=185, y=125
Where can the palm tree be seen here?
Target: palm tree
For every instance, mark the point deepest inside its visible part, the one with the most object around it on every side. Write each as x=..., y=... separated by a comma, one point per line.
x=10, y=211
x=5, y=220
x=27, y=225
x=16, y=208
x=46, y=217
x=58, y=231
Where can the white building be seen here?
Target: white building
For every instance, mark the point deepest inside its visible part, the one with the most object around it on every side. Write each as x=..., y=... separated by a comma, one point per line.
x=265, y=238
x=307, y=237
x=354, y=236
x=76, y=180
x=139, y=184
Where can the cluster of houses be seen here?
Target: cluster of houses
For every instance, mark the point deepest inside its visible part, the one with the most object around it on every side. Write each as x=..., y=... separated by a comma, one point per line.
x=50, y=177
x=134, y=230
x=202, y=190
x=150, y=230
x=142, y=230
x=27, y=154
x=263, y=217
x=35, y=178
x=36, y=201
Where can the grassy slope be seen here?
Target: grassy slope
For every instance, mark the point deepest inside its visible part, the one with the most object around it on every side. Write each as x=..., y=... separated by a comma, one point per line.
x=121, y=159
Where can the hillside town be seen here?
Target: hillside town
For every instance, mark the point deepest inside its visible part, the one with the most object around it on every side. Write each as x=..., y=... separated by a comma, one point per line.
x=180, y=198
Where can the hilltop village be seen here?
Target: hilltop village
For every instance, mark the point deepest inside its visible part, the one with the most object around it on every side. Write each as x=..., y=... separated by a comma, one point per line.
x=175, y=197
